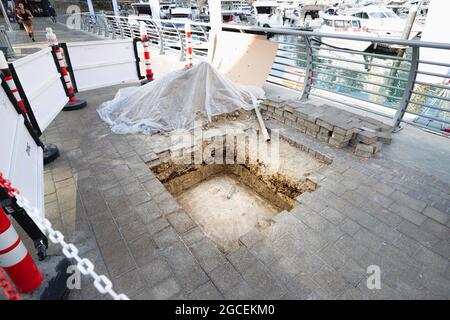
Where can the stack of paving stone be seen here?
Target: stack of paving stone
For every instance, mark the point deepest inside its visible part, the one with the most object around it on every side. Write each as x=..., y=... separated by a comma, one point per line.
x=332, y=125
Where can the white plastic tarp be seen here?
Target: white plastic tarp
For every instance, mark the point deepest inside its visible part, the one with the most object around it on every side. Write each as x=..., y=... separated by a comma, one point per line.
x=176, y=101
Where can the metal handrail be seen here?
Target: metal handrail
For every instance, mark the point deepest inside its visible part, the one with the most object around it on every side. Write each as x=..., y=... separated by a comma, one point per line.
x=395, y=80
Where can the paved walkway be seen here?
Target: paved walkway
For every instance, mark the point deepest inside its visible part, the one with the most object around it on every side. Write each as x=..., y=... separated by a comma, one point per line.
x=378, y=212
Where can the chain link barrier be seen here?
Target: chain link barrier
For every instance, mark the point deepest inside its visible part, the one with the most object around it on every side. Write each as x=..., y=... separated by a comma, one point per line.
x=7, y=288
x=86, y=267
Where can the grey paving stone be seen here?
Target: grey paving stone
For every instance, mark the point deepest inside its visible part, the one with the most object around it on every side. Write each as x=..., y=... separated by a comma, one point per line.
x=439, y=230
x=155, y=271
x=382, y=200
x=242, y=259
x=128, y=283
x=148, y=212
x=263, y=283
x=166, y=237
x=388, y=217
x=408, y=201
x=385, y=232
x=207, y=254
x=181, y=221
x=157, y=225
x=413, y=231
x=437, y=215
x=315, y=221
x=105, y=230
x=385, y=293
x=432, y=260
x=139, y=197
x=333, y=215
x=360, y=216
x=407, y=213
x=225, y=277
x=352, y=293
x=407, y=245
x=117, y=258
x=284, y=269
x=167, y=204
x=133, y=230
x=166, y=289
x=186, y=269
x=143, y=249
x=383, y=188
x=436, y=283
x=330, y=281
x=206, y=292
x=352, y=271
x=131, y=187
x=442, y=248
x=369, y=240
x=351, y=247
x=264, y=252
x=242, y=291
x=314, y=240
x=303, y=287
x=251, y=238
x=349, y=226
x=354, y=197
x=333, y=257
x=154, y=187
x=192, y=236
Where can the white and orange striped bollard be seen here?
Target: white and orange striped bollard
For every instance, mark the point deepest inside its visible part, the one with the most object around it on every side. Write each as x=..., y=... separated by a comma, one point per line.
x=187, y=29
x=147, y=61
x=16, y=260
x=10, y=82
x=74, y=103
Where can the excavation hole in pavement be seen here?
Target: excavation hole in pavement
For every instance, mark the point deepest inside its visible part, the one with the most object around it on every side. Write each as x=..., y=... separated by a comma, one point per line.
x=229, y=200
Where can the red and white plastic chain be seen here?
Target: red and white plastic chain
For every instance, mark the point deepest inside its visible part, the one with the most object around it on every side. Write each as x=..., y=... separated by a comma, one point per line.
x=4, y=183
x=7, y=288
x=86, y=267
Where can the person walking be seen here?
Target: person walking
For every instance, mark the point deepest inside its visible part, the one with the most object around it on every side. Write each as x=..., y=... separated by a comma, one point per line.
x=52, y=13
x=24, y=15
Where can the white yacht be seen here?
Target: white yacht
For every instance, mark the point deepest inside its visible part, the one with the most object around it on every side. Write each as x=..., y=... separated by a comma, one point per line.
x=269, y=14
x=345, y=25
x=237, y=12
x=382, y=21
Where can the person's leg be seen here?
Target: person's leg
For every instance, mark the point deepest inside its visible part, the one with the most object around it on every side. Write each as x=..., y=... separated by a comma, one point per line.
x=31, y=31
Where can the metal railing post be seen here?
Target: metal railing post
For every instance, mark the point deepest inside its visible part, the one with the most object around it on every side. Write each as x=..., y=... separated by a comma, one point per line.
x=403, y=105
x=182, y=44
x=204, y=32
x=119, y=24
x=161, y=39
x=307, y=84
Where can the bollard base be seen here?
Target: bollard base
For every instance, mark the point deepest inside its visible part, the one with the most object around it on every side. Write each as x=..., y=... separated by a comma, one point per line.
x=144, y=82
x=54, y=286
x=51, y=153
x=75, y=105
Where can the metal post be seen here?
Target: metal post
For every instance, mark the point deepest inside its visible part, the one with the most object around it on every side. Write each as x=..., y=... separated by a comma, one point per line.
x=403, y=105
x=215, y=20
x=182, y=44
x=91, y=8
x=307, y=84
x=5, y=15
x=115, y=7
x=161, y=39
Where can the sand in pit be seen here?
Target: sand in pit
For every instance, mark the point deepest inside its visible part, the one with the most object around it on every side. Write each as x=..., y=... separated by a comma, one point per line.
x=226, y=209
